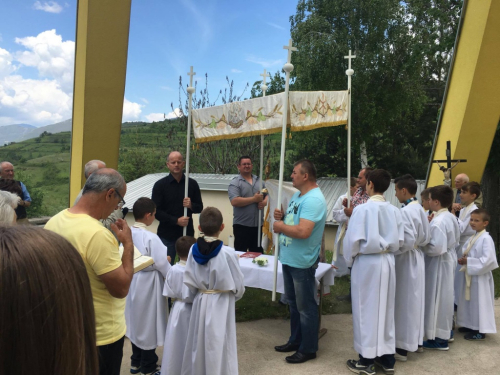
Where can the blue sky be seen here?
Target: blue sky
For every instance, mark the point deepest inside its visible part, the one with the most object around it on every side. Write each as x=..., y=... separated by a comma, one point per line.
x=234, y=38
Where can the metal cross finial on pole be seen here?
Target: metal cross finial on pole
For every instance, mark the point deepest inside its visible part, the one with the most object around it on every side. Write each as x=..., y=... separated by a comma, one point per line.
x=264, y=89
x=190, y=91
x=290, y=49
x=349, y=73
x=288, y=67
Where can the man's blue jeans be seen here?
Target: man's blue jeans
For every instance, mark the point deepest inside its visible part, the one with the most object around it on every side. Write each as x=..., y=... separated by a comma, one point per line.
x=300, y=290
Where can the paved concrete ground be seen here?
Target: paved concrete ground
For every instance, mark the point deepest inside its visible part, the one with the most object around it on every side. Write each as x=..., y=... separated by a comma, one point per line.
x=256, y=355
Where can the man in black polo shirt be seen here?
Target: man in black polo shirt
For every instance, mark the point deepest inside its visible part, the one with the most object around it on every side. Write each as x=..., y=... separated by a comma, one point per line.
x=168, y=194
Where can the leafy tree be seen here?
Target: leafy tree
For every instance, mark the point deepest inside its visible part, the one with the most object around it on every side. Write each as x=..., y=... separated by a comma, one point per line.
x=390, y=84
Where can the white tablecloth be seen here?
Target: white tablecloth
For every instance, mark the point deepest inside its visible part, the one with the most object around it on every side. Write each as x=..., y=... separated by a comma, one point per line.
x=262, y=277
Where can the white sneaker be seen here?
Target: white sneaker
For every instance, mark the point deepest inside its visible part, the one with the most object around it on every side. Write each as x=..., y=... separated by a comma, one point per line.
x=400, y=358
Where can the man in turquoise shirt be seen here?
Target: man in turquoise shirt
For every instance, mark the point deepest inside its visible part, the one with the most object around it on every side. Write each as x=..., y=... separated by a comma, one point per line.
x=300, y=237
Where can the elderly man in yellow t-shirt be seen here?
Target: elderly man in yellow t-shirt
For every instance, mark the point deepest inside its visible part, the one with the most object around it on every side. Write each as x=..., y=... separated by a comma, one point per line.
x=110, y=275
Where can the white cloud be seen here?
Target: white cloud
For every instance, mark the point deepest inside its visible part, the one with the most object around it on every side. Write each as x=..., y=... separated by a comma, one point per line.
x=236, y=71
x=174, y=114
x=131, y=111
x=166, y=88
x=33, y=101
x=145, y=101
x=6, y=66
x=155, y=117
x=48, y=6
x=50, y=55
x=276, y=26
x=264, y=63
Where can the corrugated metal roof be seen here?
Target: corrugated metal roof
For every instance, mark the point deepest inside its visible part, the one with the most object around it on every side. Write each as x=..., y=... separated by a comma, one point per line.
x=143, y=186
x=332, y=188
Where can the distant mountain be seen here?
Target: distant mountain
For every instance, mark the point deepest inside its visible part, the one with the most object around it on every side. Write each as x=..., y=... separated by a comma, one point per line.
x=12, y=133
x=64, y=126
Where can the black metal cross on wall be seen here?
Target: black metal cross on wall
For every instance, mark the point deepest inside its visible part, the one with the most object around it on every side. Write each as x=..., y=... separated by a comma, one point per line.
x=449, y=160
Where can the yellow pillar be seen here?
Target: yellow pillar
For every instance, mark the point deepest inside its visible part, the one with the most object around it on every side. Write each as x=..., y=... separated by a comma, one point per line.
x=472, y=108
x=102, y=31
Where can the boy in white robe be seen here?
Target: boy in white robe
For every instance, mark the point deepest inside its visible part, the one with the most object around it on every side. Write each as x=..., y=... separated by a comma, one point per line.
x=425, y=198
x=213, y=273
x=476, y=309
x=145, y=308
x=468, y=194
x=376, y=232
x=338, y=214
x=410, y=270
x=178, y=320
x=440, y=258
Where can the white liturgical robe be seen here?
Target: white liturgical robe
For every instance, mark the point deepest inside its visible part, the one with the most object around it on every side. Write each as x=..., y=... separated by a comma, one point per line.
x=410, y=279
x=178, y=320
x=338, y=254
x=479, y=312
x=465, y=233
x=440, y=258
x=145, y=308
x=211, y=342
x=375, y=232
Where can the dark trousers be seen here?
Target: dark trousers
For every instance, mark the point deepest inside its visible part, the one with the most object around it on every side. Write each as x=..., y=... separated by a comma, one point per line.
x=300, y=290
x=245, y=238
x=144, y=359
x=170, y=244
x=386, y=360
x=110, y=357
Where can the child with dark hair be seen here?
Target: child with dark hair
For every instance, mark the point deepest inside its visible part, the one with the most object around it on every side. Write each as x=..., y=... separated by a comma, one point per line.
x=213, y=274
x=468, y=194
x=145, y=309
x=375, y=233
x=440, y=260
x=178, y=320
x=410, y=270
x=476, y=304
x=425, y=197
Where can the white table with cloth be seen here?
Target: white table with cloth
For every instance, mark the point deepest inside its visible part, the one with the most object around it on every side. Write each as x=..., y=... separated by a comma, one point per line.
x=262, y=277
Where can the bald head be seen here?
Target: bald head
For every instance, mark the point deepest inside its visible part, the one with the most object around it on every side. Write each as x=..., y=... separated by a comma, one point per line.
x=460, y=180
x=93, y=166
x=175, y=164
x=6, y=170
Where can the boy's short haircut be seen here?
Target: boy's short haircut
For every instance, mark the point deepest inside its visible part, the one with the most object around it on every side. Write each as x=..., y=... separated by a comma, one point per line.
x=183, y=244
x=442, y=193
x=473, y=188
x=425, y=194
x=483, y=212
x=210, y=221
x=406, y=182
x=354, y=181
x=381, y=180
x=143, y=206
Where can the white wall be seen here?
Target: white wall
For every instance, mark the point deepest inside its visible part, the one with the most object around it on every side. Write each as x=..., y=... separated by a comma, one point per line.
x=220, y=200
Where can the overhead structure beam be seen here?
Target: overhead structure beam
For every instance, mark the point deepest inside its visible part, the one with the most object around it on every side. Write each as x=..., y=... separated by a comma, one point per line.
x=471, y=107
x=102, y=33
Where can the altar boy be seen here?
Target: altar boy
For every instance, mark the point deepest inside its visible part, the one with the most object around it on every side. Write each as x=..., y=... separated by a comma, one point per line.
x=145, y=309
x=410, y=270
x=476, y=304
x=469, y=193
x=213, y=273
x=375, y=232
x=440, y=260
x=178, y=321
